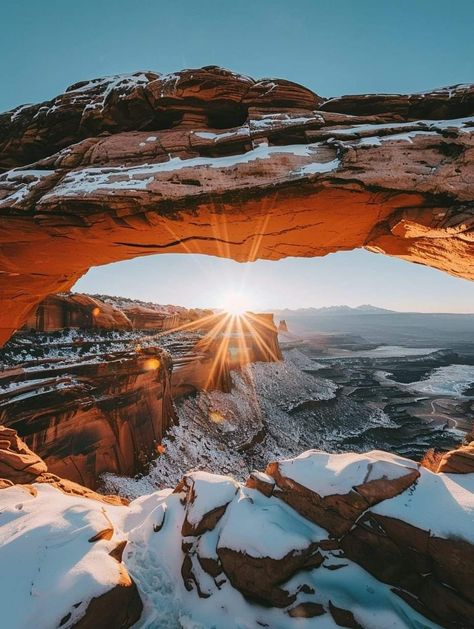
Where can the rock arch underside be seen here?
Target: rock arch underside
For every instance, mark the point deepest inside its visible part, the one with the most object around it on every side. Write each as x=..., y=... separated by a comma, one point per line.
x=209, y=161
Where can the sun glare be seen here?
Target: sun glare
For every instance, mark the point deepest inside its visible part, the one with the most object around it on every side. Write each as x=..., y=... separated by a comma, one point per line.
x=235, y=303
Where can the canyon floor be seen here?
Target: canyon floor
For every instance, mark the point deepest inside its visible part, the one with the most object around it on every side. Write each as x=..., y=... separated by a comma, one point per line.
x=401, y=399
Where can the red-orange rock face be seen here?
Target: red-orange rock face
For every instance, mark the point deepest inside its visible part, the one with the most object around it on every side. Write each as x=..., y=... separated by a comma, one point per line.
x=212, y=162
x=91, y=417
x=57, y=312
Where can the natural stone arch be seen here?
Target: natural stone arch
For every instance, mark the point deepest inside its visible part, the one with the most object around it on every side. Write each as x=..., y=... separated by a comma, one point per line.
x=143, y=164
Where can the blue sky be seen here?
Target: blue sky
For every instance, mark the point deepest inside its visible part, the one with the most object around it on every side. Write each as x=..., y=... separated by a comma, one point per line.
x=332, y=46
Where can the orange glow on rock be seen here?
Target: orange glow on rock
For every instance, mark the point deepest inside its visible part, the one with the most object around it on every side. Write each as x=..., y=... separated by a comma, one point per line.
x=151, y=364
x=160, y=448
x=216, y=417
x=96, y=312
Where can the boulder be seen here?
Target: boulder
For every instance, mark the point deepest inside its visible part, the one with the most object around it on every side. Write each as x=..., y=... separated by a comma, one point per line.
x=334, y=490
x=206, y=499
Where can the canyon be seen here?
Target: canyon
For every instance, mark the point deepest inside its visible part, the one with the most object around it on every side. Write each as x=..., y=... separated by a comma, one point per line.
x=96, y=392
x=210, y=161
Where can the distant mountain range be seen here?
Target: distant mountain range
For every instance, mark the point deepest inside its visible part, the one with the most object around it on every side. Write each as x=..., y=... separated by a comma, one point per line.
x=364, y=309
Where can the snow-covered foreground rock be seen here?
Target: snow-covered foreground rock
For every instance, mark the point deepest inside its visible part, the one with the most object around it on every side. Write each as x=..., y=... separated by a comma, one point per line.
x=321, y=540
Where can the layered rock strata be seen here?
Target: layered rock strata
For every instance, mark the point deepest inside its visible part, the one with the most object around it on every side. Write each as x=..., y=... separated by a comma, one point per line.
x=105, y=413
x=90, y=401
x=58, y=312
x=209, y=161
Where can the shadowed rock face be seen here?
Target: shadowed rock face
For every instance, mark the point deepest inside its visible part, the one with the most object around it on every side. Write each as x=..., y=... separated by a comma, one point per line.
x=208, y=161
x=90, y=417
x=57, y=312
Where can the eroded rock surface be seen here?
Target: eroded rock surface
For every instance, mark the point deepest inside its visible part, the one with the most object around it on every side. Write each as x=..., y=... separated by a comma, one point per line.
x=57, y=312
x=85, y=417
x=213, y=162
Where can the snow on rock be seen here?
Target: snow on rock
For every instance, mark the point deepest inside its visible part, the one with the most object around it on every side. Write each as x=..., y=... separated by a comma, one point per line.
x=261, y=562
x=280, y=529
x=333, y=490
x=328, y=474
x=207, y=496
x=51, y=567
x=451, y=513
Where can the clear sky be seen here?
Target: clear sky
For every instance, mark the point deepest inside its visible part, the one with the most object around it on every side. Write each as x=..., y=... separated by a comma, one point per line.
x=332, y=46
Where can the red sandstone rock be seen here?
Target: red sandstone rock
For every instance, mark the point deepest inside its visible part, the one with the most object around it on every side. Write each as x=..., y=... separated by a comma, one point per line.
x=259, y=578
x=57, y=312
x=18, y=464
x=149, y=319
x=282, y=326
x=338, y=512
x=459, y=461
x=167, y=188
x=306, y=610
x=343, y=617
x=261, y=482
x=107, y=416
x=206, y=499
x=119, y=608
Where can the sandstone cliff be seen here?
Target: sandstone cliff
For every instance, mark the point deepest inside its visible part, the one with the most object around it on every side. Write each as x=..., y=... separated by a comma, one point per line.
x=213, y=162
x=75, y=310
x=85, y=417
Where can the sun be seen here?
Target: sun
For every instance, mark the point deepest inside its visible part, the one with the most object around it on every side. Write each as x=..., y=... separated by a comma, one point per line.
x=235, y=302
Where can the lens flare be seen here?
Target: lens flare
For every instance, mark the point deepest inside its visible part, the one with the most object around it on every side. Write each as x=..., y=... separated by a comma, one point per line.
x=235, y=302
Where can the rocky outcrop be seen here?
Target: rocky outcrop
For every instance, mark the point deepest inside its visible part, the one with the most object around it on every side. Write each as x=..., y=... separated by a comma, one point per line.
x=459, y=461
x=149, y=319
x=75, y=310
x=282, y=326
x=373, y=481
x=18, y=464
x=214, y=538
x=208, y=161
x=400, y=524
x=87, y=417
x=239, y=340
x=51, y=542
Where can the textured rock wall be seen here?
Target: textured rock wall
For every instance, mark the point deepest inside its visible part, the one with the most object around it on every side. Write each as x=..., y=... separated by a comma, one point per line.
x=208, y=161
x=57, y=312
x=87, y=418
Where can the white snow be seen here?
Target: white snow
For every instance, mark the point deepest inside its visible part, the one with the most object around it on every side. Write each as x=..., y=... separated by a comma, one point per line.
x=265, y=527
x=139, y=177
x=329, y=474
x=384, y=351
x=318, y=167
x=47, y=564
x=22, y=182
x=210, y=135
x=211, y=491
x=451, y=380
x=440, y=503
